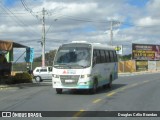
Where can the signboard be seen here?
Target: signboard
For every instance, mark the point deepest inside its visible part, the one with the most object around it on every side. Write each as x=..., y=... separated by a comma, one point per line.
x=29, y=54
x=145, y=52
x=152, y=65
x=119, y=49
x=141, y=65
x=158, y=65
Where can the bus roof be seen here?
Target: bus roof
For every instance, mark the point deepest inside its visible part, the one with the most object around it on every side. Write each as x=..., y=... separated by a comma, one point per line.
x=94, y=45
x=102, y=46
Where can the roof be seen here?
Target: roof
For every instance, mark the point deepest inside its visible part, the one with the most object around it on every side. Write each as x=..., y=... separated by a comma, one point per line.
x=8, y=45
x=94, y=45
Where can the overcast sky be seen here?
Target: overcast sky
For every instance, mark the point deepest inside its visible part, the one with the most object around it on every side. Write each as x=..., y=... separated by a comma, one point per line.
x=135, y=21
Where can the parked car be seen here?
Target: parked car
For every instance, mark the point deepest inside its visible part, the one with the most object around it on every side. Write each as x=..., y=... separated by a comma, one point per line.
x=42, y=73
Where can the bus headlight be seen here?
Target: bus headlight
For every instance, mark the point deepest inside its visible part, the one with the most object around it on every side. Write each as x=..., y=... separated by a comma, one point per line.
x=55, y=76
x=85, y=76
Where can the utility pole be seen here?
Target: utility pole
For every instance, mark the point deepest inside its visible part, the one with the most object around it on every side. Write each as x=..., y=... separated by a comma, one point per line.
x=112, y=24
x=43, y=37
x=111, y=33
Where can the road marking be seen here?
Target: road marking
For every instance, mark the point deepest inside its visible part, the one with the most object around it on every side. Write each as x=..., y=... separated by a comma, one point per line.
x=133, y=85
x=95, y=101
x=121, y=89
x=7, y=88
x=78, y=113
x=145, y=81
x=127, y=87
x=110, y=94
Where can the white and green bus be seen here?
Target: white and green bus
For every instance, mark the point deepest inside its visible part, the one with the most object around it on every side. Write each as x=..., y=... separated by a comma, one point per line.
x=82, y=65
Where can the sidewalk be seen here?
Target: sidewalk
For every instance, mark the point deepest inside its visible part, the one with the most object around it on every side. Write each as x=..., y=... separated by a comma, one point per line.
x=17, y=86
x=138, y=73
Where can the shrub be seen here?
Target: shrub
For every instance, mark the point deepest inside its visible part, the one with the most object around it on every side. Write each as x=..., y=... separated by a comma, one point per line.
x=5, y=79
x=22, y=78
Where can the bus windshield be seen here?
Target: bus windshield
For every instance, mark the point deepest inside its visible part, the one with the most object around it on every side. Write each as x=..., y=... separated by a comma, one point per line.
x=73, y=56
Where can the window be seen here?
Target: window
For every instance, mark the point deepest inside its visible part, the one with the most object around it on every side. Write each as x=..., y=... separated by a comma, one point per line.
x=111, y=56
x=103, y=60
x=104, y=56
x=115, y=56
x=77, y=56
x=50, y=69
x=94, y=53
x=107, y=56
x=98, y=58
x=43, y=70
x=94, y=57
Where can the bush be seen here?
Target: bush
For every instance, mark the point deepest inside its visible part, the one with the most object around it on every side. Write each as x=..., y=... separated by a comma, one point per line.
x=22, y=78
x=5, y=79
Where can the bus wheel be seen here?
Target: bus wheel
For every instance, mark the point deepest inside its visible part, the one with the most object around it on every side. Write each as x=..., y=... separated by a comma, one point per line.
x=94, y=89
x=59, y=91
x=104, y=86
x=110, y=82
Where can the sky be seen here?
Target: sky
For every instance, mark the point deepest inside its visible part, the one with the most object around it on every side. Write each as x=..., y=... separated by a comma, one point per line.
x=134, y=21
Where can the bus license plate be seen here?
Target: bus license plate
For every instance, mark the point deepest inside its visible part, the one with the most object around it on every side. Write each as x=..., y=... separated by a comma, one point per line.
x=69, y=81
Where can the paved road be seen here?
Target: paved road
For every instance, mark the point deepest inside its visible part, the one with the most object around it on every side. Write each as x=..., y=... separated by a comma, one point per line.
x=129, y=93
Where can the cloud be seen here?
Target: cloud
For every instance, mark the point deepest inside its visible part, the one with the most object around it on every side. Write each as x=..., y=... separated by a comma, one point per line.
x=66, y=21
x=148, y=21
x=153, y=8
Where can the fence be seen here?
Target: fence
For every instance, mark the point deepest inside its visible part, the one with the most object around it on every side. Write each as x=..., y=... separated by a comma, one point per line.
x=126, y=66
x=123, y=66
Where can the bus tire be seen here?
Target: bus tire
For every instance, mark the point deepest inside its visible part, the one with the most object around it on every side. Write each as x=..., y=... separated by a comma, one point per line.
x=93, y=90
x=104, y=86
x=59, y=90
x=110, y=82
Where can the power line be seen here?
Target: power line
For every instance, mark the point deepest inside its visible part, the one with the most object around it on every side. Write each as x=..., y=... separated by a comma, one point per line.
x=85, y=19
x=43, y=28
x=28, y=9
x=50, y=13
x=16, y=18
x=14, y=13
x=103, y=21
x=50, y=27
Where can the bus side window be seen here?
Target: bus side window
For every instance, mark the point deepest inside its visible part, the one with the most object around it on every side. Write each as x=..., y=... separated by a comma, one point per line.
x=102, y=56
x=115, y=56
x=98, y=60
x=111, y=56
x=94, y=57
x=107, y=56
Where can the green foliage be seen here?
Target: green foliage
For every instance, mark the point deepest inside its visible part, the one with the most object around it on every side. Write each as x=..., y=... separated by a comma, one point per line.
x=48, y=56
x=125, y=57
x=22, y=78
x=19, y=66
x=5, y=79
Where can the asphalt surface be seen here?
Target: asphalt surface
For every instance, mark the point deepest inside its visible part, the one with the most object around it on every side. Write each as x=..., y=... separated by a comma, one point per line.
x=131, y=92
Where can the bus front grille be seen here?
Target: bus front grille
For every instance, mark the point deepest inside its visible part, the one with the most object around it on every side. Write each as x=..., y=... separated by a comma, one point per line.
x=69, y=79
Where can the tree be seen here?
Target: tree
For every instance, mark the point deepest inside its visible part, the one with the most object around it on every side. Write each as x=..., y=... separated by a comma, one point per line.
x=125, y=57
x=48, y=56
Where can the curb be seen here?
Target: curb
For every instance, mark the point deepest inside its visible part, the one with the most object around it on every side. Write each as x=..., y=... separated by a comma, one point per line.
x=17, y=85
x=137, y=73
x=21, y=85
